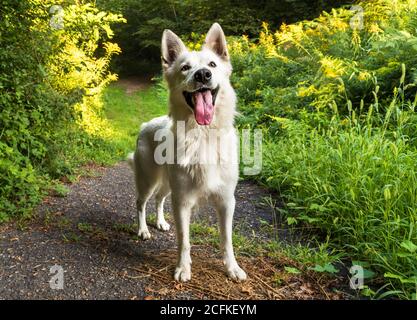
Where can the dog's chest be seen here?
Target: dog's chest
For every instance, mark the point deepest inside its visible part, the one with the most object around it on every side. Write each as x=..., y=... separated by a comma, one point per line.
x=210, y=158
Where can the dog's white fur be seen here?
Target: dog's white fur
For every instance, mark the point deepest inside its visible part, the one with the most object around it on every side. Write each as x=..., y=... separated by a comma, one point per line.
x=190, y=182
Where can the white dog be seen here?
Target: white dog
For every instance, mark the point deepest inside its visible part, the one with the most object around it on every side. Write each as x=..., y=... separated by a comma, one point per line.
x=201, y=101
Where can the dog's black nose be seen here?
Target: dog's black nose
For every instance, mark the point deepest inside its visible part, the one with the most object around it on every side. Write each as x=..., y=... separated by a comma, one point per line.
x=203, y=75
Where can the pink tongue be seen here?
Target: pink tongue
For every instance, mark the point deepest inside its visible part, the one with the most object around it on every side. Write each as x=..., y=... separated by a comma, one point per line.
x=203, y=107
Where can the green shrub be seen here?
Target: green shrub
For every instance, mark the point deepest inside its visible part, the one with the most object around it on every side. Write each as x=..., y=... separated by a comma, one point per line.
x=312, y=66
x=52, y=71
x=357, y=184
x=337, y=106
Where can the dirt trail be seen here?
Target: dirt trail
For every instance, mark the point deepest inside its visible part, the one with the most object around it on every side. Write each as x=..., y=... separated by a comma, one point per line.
x=134, y=84
x=89, y=233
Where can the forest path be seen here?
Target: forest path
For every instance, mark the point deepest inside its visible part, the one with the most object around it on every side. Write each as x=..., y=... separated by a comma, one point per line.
x=134, y=84
x=90, y=233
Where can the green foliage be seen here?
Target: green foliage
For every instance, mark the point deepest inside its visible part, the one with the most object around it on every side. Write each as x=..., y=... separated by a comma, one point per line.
x=52, y=70
x=338, y=110
x=61, y=190
x=328, y=267
x=358, y=184
x=331, y=65
x=292, y=270
x=140, y=38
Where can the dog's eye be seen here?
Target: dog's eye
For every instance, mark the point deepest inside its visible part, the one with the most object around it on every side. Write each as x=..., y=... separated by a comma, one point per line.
x=212, y=64
x=185, y=67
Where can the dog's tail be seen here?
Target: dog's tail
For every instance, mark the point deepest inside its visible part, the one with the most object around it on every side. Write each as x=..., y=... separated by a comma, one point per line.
x=131, y=160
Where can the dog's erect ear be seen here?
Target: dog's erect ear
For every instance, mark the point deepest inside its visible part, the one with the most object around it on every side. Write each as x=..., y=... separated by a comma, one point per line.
x=216, y=41
x=172, y=46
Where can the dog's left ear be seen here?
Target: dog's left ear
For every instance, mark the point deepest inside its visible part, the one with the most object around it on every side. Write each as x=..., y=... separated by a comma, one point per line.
x=216, y=41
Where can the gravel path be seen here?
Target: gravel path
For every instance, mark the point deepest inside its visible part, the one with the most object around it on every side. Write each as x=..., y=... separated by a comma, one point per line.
x=89, y=233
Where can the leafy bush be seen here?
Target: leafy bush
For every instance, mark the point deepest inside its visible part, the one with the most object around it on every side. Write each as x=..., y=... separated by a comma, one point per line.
x=337, y=105
x=314, y=66
x=357, y=183
x=53, y=68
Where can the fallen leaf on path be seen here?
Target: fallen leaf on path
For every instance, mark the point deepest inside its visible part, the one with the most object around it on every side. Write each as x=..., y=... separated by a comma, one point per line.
x=178, y=286
x=163, y=291
x=247, y=289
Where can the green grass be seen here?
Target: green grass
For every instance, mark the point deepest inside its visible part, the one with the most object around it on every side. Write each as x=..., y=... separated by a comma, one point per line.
x=60, y=190
x=339, y=134
x=359, y=186
x=85, y=227
x=125, y=113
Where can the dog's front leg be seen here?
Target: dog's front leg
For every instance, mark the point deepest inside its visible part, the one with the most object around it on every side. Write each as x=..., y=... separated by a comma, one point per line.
x=182, y=213
x=225, y=210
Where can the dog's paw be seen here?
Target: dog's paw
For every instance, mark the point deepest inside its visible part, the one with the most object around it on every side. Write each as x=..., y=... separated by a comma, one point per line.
x=183, y=273
x=236, y=273
x=163, y=225
x=144, y=234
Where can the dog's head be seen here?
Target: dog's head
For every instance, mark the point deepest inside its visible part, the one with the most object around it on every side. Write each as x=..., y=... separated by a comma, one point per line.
x=196, y=77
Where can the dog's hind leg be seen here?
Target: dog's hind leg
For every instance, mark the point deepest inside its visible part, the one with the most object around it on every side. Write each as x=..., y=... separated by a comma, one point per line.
x=144, y=188
x=143, y=231
x=161, y=195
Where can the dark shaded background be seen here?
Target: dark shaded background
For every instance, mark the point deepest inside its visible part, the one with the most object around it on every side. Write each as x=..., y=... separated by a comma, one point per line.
x=140, y=37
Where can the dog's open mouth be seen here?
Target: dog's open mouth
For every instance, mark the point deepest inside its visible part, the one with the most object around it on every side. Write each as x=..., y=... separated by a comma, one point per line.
x=202, y=102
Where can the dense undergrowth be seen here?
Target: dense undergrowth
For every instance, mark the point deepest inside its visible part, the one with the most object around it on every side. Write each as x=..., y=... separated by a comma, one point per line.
x=53, y=67
x=336, y=98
